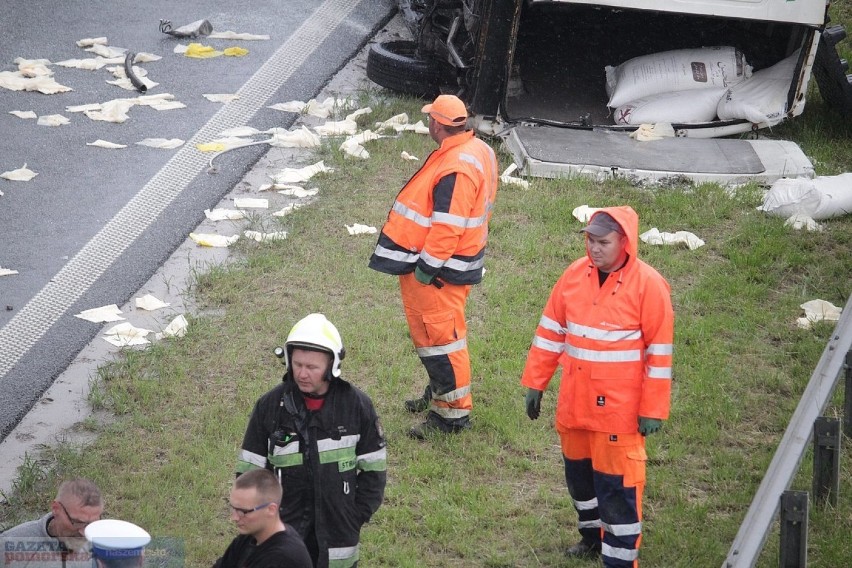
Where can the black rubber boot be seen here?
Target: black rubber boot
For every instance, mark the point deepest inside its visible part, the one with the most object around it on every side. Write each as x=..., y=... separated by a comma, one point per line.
x=434, y=425
x=420, y=404
x=584, y=549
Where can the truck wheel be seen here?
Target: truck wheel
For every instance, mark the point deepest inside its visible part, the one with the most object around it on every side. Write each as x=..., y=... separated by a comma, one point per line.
x=835, y=86
x=392, y=64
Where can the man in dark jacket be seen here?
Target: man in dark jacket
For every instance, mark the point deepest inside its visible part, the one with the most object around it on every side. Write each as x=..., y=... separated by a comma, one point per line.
x=321, y=437
x=265, y=541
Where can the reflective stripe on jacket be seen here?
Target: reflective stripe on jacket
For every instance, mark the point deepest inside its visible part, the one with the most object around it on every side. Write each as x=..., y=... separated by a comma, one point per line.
x=614, y=342
x=439, y=220
x=332, y=463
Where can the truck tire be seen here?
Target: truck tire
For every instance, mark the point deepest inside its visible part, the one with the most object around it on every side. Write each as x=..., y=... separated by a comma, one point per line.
x=393, y=64
x=835, y=86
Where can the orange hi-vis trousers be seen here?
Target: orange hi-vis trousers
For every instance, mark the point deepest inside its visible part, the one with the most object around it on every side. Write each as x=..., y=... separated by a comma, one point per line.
x=437, y=325
x=605, y=474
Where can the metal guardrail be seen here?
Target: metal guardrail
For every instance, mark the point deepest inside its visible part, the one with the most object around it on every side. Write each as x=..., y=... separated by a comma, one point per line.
x=754, y=530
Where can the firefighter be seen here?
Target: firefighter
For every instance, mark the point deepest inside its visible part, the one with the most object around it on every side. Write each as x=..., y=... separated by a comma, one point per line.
x=434, y=240
x=321, y=437
x=609, y=323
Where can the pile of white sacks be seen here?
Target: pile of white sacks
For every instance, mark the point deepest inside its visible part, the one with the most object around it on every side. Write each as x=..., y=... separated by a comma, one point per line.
x=698, y=85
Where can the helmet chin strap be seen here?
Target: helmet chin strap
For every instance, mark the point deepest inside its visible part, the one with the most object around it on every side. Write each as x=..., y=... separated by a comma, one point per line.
x=312, y=395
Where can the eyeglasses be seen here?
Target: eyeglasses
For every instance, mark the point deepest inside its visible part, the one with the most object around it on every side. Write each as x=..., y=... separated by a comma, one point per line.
x=243, y=512
x=74, y=522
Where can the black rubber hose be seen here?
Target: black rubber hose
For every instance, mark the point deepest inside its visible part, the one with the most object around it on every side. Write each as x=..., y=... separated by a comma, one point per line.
x=128, y=70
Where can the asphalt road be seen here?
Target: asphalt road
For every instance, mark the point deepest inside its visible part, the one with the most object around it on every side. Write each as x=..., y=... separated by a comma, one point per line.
x=95, y=224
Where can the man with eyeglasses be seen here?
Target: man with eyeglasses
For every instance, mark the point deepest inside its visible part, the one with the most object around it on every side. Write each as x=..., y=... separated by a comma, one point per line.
x=57, y=538
x=265, y=541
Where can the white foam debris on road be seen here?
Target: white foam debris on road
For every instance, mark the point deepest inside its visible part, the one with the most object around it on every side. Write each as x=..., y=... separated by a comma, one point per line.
x=21, y=174
x=165, y=143
x=220, y=214
x=251, y=203
x=104, y=144
x=23, y=113
x=150, y=303
x=102, y=314
x=126, y=335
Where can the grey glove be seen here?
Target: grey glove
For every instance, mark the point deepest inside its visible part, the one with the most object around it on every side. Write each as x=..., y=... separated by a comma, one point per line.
x=649, y=425
x=533, y=402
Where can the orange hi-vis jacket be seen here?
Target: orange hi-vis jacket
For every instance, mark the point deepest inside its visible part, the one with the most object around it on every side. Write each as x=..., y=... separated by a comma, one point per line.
x=614, y=342
x=439, y=220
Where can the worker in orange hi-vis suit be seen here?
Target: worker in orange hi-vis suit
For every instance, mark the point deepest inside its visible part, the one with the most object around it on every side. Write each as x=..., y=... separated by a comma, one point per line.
x=609, y=322
x=434, y=240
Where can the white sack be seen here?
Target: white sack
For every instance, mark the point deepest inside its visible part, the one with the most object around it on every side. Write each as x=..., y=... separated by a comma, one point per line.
x=697, y=105
x=676, y=70
x=762, y=98
x=820, y=198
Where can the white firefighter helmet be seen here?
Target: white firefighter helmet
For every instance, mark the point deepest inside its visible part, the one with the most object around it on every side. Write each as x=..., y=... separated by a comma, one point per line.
x=315, y=332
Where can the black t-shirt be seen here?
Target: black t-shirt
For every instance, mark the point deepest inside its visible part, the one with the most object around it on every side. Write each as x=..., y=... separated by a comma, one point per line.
x=284, y=549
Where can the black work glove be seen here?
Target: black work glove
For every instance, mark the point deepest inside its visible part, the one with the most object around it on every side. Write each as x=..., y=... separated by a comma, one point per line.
x=533, y=402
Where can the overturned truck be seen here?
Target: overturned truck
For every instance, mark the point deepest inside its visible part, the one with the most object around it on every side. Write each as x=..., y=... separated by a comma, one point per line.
x=566, y=82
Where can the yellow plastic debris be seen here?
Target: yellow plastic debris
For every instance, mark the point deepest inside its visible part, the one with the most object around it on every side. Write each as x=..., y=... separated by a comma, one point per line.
x=200, y=51
x=210, y=147
x=212, y=240
x=235, y=51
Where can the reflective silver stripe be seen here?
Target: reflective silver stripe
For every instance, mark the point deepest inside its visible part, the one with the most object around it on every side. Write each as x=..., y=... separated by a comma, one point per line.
x=596, y=524
x=449, y=413
x=458, y=220
x=548, y=345
x=625, y=356
x=452, y=263
x=449, y=219
x=626, y=554
x=623, y=530
x=463, y=265
x=603, y=334
x=412, y=215
x=397, y=255
x=659, y=372
x=372, y=457
x=342, y=553
x=443, y=349
x=551, y=325
x=471, y=159
x=432, y=261
x=344, y=442
x=252, y=458
x=659, y=349
x=586, y=505
x=453, y=395
x=291, y=448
